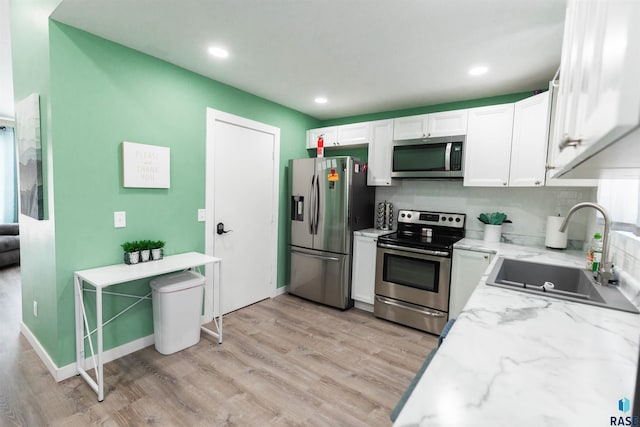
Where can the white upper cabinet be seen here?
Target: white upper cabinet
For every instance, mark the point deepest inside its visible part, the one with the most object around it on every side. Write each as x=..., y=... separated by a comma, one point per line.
x=447, y=123
x=488, y=146
x=599, y=94
x=529, y=142
x=432, y=125
x=354, y=134
x=380, y=153
x=338, y=136
x=329, y=136
x=410, y=127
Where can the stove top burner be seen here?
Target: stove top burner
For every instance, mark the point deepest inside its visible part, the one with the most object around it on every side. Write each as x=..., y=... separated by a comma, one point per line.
x=427, y=230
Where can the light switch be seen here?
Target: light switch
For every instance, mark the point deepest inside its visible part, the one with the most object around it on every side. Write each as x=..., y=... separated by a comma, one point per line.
x=119, y=219
x=202, y=215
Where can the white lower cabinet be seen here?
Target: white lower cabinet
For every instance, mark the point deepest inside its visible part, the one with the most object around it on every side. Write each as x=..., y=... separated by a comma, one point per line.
x=363, y=274
x=467, y=267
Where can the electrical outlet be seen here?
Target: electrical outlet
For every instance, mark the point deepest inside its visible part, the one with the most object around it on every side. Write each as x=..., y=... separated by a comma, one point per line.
x=35, y=309
x=202, y=215
x=119, y=219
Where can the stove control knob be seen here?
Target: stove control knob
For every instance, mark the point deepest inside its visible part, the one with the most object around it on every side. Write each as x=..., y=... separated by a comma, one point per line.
x=457, y=219
x=408, y=215
x=402, y=215
x=444, y=218
x=450, y=218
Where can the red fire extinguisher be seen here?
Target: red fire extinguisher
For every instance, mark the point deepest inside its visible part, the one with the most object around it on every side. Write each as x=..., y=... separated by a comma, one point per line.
x=320, y=146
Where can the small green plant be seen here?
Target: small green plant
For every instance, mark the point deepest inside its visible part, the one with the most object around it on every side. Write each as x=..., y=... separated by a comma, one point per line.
x=130, y=246
x=146, y=245
x=158, y=244
x=495, y=218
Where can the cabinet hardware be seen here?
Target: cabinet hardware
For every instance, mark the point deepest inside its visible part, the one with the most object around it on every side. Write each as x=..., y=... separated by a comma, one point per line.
x=567, y=141
x=537, y=183
x=504, y=183
x=549, y=167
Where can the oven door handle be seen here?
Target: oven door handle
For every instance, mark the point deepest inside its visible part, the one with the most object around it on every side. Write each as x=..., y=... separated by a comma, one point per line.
x=411, y=307
x=414, y=250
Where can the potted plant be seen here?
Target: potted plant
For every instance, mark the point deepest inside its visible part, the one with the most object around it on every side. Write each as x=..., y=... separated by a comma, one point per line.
x=156, y=249
x=131, y=252
x=145, y=250
x=493, y=225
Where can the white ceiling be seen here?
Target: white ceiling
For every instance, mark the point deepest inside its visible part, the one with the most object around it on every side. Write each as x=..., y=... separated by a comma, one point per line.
x=364, y=56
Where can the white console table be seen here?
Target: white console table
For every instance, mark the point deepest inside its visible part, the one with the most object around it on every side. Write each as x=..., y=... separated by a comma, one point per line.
x=103, y=277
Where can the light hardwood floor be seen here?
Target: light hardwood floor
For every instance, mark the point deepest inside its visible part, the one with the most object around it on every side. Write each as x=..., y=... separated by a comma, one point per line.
x=284, y=361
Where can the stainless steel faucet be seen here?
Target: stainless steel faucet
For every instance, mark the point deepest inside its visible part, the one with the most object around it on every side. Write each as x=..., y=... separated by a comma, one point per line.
x=604, y=270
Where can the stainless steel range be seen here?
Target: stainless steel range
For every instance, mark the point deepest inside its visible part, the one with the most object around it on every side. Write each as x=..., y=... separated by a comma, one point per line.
x=413, y=269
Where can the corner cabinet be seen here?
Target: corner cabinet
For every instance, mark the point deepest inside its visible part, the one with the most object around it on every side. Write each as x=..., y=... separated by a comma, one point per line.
x=380, y=153
x=363, y=273
x=529, y=141
x=446, y=123
x=467, y=268
x=598, y=116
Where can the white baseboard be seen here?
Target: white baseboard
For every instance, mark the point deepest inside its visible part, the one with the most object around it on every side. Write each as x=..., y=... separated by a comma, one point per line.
x=279, y=291
x=363, y=306
x=40, y=351
x=68, y=371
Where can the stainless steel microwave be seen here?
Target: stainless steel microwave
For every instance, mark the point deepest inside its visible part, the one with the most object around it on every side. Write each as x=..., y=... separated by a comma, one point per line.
x=428, y=158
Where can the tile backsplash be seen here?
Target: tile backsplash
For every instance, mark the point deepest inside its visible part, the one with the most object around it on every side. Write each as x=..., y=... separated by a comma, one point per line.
x=528, y=208
x=624, y=253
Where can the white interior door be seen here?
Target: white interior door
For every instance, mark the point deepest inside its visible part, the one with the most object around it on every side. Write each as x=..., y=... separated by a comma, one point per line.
x=242, y=193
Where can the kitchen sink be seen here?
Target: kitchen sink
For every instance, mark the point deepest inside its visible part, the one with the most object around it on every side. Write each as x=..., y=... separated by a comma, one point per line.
x=555, y=281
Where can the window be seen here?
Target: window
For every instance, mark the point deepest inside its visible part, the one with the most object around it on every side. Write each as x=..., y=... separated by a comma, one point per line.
x=621, y=198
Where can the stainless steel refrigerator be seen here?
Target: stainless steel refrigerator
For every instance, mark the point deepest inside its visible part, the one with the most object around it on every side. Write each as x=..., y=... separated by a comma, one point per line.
x=329, y=201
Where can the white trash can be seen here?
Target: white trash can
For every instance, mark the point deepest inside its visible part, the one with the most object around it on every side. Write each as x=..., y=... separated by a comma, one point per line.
x=177, y=305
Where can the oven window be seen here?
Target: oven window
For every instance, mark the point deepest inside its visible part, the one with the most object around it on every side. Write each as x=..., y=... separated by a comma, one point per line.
x=413, y=272
x=423, y=157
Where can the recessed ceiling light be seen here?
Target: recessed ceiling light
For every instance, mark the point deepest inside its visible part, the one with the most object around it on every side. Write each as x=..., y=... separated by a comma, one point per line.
x=321, y=100
x=218, y=52
x=477, y=71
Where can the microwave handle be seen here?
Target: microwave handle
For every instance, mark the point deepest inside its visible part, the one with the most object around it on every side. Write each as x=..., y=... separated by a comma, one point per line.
x=447, y=157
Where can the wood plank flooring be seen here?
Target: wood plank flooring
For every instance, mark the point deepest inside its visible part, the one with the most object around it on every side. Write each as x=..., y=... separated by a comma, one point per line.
x=284, y=361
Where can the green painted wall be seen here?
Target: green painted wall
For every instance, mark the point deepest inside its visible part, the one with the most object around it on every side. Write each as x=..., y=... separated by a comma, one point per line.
x=31, y=74
x=103, y=94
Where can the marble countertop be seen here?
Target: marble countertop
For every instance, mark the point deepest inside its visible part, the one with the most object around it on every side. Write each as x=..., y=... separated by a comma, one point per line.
x=373, y=232
x=519, y=359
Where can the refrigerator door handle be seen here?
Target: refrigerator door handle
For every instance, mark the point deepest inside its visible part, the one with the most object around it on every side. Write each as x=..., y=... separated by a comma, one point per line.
x=311, y=204
x=324, y=258
x=317, y=205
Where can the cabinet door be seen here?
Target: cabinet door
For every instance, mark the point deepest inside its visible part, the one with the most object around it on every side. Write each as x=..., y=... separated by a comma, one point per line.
x=447, y=123
x=599, y=96
x=410, y=127
x=329, y=134
x=488, y=146
x=380, y=153
x=529, y=142
x=364, y=269
x=467, y=268
x=354, y=134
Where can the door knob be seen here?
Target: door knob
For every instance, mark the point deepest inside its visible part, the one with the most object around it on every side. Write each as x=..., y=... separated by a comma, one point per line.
x=220, y=228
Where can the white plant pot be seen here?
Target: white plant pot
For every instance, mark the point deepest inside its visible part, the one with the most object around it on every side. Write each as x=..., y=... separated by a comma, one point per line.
x=156, y=253
x=144, y=255
x=131, y=257
x=492, y=233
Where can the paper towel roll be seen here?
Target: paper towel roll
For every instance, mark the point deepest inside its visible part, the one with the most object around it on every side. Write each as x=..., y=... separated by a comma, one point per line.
x=554, y=238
